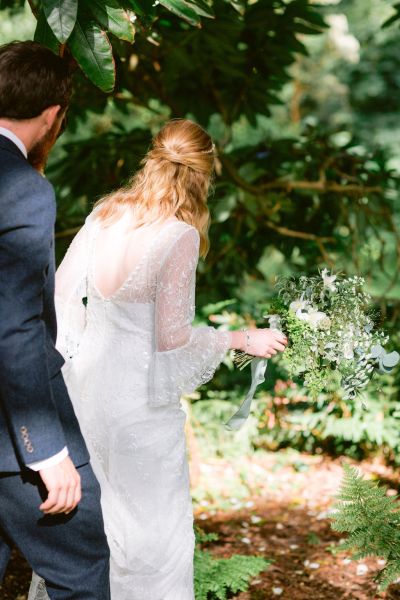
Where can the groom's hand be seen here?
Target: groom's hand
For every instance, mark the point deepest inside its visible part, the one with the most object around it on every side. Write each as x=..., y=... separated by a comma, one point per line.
x=63, y=483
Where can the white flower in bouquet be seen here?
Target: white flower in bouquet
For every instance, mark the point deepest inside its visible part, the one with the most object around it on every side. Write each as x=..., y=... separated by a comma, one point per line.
x=348, y=350
x=329, y=281
x=299, y=305
x=312, y=316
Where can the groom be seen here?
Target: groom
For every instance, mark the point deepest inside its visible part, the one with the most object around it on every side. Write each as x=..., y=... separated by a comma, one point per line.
x=49, y=497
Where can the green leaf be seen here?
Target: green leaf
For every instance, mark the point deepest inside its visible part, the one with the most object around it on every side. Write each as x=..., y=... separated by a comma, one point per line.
x=202, y=8
x=114, y=18
x=61, y=16
x=183, y=10
x=92, y=49
x=44, y=34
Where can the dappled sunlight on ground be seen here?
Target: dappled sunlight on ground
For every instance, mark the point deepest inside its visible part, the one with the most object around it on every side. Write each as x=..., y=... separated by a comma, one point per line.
x=277, y=505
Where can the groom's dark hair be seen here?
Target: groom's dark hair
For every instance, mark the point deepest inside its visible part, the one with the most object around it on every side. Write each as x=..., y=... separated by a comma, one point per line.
x=32, y=78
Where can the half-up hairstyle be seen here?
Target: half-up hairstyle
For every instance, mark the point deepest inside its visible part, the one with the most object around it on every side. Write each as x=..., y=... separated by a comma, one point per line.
x=173, y=182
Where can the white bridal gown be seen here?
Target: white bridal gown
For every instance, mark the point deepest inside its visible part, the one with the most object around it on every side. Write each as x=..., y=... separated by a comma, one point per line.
x=131, y=354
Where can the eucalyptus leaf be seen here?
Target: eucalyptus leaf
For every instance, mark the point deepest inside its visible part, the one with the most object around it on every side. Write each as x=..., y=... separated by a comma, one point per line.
x=61, y=16
x=377, y=351
x=114, y=18
x=91, y=48
x=384, y=370
x=390, y=360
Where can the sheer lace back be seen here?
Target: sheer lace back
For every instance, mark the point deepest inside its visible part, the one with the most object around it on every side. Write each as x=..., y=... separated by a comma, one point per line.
x=123, y=257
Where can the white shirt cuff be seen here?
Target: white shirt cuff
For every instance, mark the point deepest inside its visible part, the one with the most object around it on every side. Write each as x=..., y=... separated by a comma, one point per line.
x=49, y=462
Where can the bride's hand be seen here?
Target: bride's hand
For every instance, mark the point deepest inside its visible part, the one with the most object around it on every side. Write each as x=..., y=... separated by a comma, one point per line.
x=262, y=343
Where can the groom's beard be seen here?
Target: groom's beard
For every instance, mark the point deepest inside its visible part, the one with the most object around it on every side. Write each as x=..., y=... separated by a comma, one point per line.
x=39, y=153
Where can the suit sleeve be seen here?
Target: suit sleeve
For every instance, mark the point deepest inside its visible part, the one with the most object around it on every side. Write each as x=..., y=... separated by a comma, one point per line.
x=26, y=235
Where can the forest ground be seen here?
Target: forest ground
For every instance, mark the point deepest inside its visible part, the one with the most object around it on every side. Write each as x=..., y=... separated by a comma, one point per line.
x=275, y=505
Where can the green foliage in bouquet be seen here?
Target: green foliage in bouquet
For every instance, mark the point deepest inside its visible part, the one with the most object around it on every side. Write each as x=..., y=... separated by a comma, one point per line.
x=215, y=578
x=372, y=520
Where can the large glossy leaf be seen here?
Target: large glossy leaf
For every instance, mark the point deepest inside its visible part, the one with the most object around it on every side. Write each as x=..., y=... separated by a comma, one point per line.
x=114, y=18
x=44, y=34
x=183, y=10
x=91, y=48
x=61, y=16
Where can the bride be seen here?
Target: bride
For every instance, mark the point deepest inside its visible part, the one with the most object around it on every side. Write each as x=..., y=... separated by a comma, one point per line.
x=125, y=304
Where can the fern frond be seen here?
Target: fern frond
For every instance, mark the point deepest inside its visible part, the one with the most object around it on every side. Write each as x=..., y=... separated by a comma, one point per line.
x=389, y=574
x=372, y=520
x=214, y=578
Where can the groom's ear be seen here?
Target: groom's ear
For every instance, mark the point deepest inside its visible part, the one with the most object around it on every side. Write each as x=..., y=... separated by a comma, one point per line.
x=50, y=115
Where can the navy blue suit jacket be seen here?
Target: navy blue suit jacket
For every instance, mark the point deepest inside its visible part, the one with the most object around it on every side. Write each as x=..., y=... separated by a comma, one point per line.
x=36, y=415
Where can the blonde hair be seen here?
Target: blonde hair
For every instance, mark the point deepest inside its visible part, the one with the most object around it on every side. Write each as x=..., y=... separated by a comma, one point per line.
x=173, y=181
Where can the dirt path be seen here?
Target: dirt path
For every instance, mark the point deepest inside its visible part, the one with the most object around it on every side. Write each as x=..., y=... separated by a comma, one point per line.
x=285, y=518
x=274, y=505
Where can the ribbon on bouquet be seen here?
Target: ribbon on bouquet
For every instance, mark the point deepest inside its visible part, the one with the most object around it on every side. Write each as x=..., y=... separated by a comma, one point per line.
x=258, y=368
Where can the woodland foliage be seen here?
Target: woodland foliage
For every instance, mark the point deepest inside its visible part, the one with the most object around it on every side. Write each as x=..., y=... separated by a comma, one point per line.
x=301, y=99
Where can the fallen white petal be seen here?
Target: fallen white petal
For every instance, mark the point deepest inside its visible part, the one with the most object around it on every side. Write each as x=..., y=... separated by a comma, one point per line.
x=362, y=569
x=277, y=591
x=254, y=519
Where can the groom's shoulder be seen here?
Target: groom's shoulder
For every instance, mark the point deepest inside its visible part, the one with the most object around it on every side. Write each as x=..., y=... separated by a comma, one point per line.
x=19, y=179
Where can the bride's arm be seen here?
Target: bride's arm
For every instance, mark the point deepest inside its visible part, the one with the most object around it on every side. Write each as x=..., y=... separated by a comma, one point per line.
x=185, y=357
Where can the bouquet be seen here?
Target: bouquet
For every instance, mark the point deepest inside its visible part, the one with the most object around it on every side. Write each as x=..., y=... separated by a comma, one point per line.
x=331, y=331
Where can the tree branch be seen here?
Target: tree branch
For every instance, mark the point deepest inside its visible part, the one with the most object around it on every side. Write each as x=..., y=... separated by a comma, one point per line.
x=320, y=185
x=303, y=235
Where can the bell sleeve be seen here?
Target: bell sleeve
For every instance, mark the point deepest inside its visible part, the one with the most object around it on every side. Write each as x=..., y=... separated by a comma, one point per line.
x=184, y=357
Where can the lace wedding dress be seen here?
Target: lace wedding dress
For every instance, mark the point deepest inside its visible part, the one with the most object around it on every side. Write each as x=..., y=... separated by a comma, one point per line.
x=125, y=304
